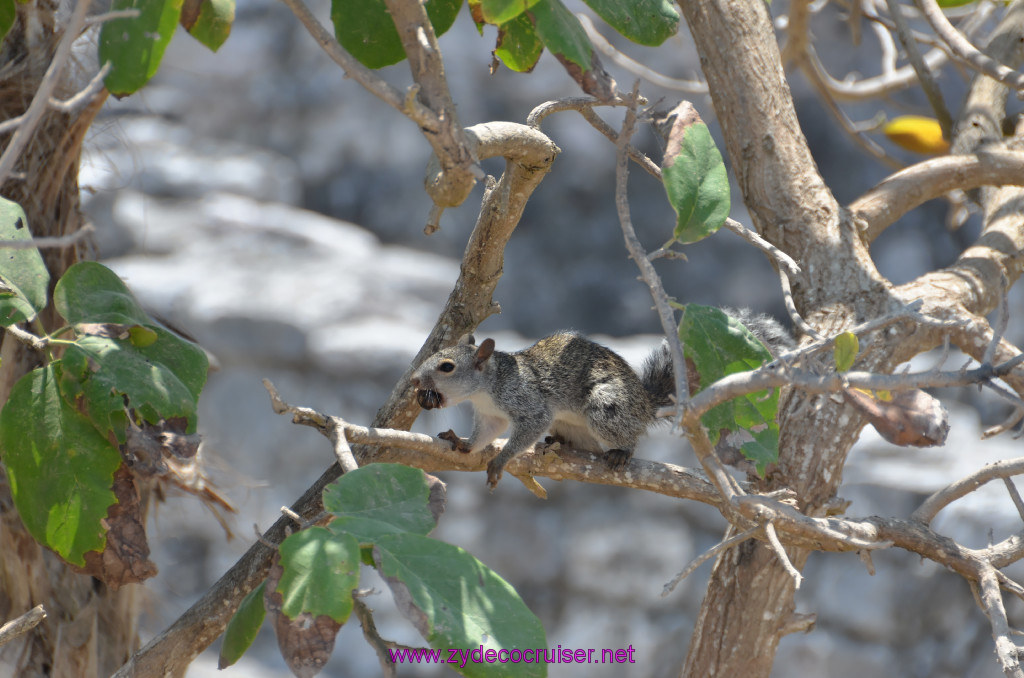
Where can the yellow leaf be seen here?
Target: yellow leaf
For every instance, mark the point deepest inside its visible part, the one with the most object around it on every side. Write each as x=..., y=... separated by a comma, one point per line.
x=917, y=133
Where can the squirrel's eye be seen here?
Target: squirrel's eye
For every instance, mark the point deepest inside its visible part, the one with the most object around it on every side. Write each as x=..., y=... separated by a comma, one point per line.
x=446, y=366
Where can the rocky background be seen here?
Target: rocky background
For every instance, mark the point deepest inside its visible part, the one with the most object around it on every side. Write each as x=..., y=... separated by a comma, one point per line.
x=273, y=209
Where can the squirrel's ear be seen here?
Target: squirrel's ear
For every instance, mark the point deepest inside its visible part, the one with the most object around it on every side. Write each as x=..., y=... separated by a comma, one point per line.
x=467, y=340
x=483, y=353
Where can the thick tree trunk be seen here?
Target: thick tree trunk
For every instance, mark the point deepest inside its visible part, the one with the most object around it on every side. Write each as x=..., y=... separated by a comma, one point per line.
x=749, y=602
x=90, y=630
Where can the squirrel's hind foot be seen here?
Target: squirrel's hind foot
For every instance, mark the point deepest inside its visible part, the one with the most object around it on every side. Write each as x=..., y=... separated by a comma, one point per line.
x=617, y=459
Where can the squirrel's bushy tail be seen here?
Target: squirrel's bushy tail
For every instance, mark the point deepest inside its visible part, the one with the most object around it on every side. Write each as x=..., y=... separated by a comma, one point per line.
x=658, y=378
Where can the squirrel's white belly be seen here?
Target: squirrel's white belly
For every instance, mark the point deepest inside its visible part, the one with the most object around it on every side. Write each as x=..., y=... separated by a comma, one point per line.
x=572, y=427
x=484, y=405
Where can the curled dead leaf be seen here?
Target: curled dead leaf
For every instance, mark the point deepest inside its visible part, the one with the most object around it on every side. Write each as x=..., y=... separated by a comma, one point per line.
x=125, y=559
x=306, y=642
x=910, y=417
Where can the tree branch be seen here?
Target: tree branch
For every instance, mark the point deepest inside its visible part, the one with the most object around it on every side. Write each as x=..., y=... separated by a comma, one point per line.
x=927, y=511
x=964, y=50
x=41, y=98
x=639, y=256
x=992, y=601
x=635, y=67
x=881, y=206
x=425, y=118
x=924, y=74
x=22, y=624
x=459, y=167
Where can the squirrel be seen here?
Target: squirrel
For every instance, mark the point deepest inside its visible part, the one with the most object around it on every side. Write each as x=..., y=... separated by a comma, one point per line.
x=584, y=394
x=579, y=391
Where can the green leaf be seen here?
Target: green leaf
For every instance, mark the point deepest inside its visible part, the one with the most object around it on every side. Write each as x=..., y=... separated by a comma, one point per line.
x=954, y=3
x=243, y=627
x=208, y=21
x=321, y=569
x=91, y=293
x=502, y=11
x=648, y=22
x=379, y=499
x=455, y=601
x=518, y=45
x=8, y=13
x=134, y=46
x=366, y=30
x=695, y=178
x=718, y=346
x=60, y=469
x=159, y=381
x=562, y=33
x=120, y=353
x=845, y=351
x=22, y=271
x=763, y=449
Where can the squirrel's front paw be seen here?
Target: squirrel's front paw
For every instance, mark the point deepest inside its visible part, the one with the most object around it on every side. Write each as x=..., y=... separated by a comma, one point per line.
x=458, y=444
x=493, y=473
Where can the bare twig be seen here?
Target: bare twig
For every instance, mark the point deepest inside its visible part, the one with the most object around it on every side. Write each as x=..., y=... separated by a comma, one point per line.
x=635, y=67
x=585, y=107
x=696, y=434
x=110, y=16
x=636, y=252
x=964, y=50
x=850, y=89
x=780, y=258
x=708, y=555
x=927, y=511
x=815, y=74
x=924, y=75
x=798, y=623
x=70, y=105
x=390, y=95
x=86, y=94
x=888, y=46
x=41, y=98
x=992, y=601
x=27, y=338
x=1010, y=585
x=49, y=242
x=379, y=645
x=791, y=309
x=22, y=624
x=869, y=564
x=579, y=104
x=780, y=553
x=342, y=451
x=1015, y=496
x=1015, y=417
x=875, y=87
